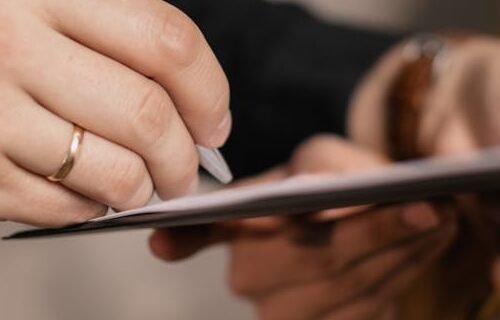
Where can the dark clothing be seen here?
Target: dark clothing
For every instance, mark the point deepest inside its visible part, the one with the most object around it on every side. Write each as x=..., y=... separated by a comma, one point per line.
x=291, y=74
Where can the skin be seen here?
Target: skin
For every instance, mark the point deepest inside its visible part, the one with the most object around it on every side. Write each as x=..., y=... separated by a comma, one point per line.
x=310, y=268
x=347, y=269
x=137, y=75
x=461, y=115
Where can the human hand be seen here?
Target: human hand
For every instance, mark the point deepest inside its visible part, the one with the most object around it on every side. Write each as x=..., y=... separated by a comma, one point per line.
x=352, y=269
x=137, y=76
x=460, y=116
x=315, y=266
x=460, y=112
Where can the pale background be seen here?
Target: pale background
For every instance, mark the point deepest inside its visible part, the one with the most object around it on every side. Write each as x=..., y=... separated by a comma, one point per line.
x=113, y=276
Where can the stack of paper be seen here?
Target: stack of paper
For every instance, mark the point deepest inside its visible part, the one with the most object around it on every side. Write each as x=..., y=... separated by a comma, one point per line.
x=408, y=181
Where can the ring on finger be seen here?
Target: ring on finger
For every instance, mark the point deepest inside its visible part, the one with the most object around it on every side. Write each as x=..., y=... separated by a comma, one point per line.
x=69, y=160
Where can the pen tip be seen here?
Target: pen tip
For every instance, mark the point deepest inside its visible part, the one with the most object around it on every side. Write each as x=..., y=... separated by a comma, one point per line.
x=213, y=161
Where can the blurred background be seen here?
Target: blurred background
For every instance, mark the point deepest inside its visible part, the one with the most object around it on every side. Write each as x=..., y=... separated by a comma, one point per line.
x=113, y=276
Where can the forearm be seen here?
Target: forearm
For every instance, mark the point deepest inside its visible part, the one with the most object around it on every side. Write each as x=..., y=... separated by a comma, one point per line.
x=291, y=74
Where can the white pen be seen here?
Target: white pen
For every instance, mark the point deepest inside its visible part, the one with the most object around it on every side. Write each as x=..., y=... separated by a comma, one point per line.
x=212, y=160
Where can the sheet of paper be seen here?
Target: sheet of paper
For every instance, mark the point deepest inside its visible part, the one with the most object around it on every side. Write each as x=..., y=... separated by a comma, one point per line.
x=408, y=181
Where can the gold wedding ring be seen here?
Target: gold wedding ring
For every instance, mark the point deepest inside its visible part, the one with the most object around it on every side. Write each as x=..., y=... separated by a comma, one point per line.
x=69, y=160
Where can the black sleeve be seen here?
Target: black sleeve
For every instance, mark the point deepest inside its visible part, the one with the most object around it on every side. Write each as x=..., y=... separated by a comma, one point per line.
x=291, y=74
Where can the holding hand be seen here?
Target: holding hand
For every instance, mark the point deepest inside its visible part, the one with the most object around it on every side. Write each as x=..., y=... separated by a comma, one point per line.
x=312, y=267
x=455, y=111
x=139, y=79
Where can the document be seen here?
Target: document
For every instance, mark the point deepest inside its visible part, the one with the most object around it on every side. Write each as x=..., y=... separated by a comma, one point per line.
x=411, y=181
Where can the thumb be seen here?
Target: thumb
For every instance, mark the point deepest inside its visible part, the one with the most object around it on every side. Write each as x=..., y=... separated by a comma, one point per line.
x=329, y=154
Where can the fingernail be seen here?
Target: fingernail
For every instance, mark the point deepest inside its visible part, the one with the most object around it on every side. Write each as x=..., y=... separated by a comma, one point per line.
x=221, y=132
x=420, y=216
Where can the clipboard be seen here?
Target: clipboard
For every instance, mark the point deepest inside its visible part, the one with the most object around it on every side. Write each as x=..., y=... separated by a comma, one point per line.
x=410, y=181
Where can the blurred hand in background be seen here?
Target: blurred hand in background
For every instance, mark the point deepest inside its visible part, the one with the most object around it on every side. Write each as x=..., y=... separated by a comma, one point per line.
x=314, y=267
x=366, y=264
x=459, y=115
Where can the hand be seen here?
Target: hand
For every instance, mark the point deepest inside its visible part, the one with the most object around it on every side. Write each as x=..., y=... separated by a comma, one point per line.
x=461, y=116
x=354, y=269
x=314, y=267
x=137, y=75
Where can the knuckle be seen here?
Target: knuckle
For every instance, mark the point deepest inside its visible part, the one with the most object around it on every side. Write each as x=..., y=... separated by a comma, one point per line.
x=177, y=37
x=125, y=181
x=151, y=116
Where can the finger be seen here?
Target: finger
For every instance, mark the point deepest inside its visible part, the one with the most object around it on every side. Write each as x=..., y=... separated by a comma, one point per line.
x=367, y=111
x=336, y=214
x=373, y=301
x=462, y=114
x=172, y=244
x=444, y=129
x=379, y=229
x=30, y=199
x=320, y=154
x=468, y=90
x=176, y=244
x=324, y=247
x=447, y=134
x=262, y=224
x=38, y=141
x=159, y=41
x=335, y=291
x=115, y=103
x=179, y=243
x=330, y=154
